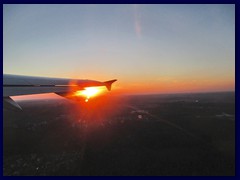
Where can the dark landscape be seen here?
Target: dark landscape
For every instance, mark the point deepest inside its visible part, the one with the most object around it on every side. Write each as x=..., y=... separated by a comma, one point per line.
x=137, y=135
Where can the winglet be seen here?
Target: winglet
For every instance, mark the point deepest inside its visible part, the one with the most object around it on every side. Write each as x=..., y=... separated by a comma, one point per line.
x=108, y=84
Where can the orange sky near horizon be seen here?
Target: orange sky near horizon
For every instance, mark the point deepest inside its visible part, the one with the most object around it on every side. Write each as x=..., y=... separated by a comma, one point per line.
x=176, y=86
x=164, y=87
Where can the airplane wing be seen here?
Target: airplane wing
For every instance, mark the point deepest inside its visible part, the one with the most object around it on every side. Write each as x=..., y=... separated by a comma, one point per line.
x=14, y=85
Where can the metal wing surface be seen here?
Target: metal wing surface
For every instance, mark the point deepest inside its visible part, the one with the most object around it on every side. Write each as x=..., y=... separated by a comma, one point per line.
x=14, y=85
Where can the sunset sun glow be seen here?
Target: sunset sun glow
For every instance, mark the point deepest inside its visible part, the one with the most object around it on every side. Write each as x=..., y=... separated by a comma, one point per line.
x=89, y=92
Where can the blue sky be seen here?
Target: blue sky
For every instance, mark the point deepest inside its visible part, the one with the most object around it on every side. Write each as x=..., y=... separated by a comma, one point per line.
x=141, y=45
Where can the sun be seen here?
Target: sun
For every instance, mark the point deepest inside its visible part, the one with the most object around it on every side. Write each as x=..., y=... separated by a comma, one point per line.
x=90, y=92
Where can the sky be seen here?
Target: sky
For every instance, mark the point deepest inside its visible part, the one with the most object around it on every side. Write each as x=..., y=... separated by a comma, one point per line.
x=148, y=48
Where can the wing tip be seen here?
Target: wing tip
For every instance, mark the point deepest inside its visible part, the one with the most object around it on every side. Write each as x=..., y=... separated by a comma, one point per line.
x=108, y=84
x=11, y=104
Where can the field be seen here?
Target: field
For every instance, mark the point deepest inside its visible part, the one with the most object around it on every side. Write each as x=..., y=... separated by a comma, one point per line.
x=144, y=135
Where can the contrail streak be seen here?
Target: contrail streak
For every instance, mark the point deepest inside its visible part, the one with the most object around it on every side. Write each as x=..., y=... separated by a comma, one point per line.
x=137, y=22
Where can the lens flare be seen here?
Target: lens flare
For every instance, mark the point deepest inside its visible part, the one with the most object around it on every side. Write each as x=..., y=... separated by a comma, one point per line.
x=90, y=92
